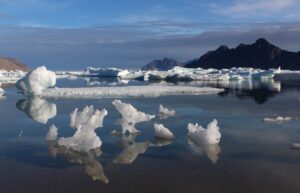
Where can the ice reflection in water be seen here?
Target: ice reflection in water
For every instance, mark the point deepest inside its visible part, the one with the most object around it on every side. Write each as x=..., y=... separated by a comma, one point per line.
x=88, y=159
x=131, y=149
x=38, y=109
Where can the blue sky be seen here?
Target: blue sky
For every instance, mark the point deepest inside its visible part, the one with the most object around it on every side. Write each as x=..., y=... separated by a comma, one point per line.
x=72, y=34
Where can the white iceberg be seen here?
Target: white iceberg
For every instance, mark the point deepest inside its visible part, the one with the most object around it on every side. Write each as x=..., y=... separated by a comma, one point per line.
x=38, y=109
x=131, y=149
x=127, y=91
x=85, y=122
x=52, y=133
x=105, y=72
x=278, y=119
x=165, y=112
x=160, y=131
x=199, y=135
x=36, y=81
x=130, y=116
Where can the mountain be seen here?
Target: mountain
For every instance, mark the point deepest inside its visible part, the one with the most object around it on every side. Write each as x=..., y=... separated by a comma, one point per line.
x=12, y=64
x=260, y=54
x=164, y=64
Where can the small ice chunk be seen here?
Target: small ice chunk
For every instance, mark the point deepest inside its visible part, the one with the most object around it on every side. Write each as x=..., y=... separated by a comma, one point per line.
x=278, y=119
x=37, y=80
x=162, y=132
x=165, y=112
x=199, y=135
x=85, y=122
x=130, y=116
x=52, y=133
x=38, y=109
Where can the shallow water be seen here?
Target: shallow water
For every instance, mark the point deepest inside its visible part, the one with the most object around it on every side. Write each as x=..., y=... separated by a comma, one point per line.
x=252, y=156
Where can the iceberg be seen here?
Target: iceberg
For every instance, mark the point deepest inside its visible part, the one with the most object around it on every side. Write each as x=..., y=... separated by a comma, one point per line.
x=199, y=135
x=127, y=91
x=85, y=123
x=278, y=119
x=131, y=149
x=165, y=112
x=130, y=116
x=37, y=81
x=160, y=131
x=105, y=72
x=38, y=109
x=52, y=133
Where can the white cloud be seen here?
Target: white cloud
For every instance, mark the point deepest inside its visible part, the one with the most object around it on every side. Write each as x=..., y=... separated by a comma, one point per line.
x=253, y=6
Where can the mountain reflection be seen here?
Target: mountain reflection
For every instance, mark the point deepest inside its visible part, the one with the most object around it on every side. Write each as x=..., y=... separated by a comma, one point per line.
x=38, y=109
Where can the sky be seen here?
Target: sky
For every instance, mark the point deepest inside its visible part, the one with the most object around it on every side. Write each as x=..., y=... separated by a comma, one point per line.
x=73, y=34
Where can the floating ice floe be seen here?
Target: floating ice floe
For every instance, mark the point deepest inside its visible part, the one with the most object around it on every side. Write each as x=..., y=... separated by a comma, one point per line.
x=105, y=72
x=11, y=76
x=278, y=119
x=52, y=133
x=127, y=91
x=37, y=81
x=199, y=135
x=160, y=131
x=130, y=116
x=165, y=112
x=131, y=149
x=85, y=123
x=38, y=109
x=205, y=140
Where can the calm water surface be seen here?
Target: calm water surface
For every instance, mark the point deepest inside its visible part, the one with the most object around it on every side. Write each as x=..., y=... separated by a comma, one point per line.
x=252, y=156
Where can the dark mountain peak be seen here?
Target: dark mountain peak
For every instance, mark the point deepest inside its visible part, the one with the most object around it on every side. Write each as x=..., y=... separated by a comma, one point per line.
x=163, y=64
x=262, y=41
x=261, y=54
x=222, y=48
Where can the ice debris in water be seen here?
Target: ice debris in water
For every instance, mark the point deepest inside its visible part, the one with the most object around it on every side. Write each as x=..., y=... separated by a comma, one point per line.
x=198, y=134
x=52, y=133
x=278, y=119
x=1, y=92
x=131, y=149
x=130, y=116
x=160, y=131
x=105, y=72
x=165, y=112
x=205, y=140
x=38, y=109
x=37, y=80
x=85, y=123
